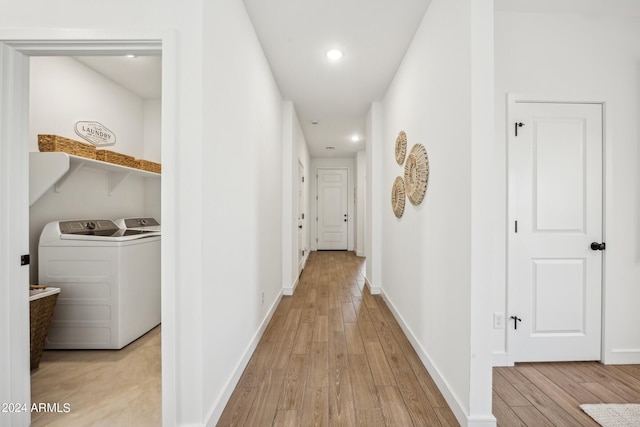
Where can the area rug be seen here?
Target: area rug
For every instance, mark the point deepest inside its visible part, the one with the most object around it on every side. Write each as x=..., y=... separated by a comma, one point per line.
x=614, y=415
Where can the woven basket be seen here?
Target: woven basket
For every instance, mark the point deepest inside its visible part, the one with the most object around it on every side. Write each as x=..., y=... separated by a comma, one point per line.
x=40, y=314
x=66, y=145
x=150, y=166
x=116, y=158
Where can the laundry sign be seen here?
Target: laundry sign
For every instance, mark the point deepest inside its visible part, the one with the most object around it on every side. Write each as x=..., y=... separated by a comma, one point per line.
x=96, y=133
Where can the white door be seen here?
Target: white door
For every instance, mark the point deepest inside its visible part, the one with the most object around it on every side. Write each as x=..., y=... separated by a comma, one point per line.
x=14, y=237
x=301, y=218
x=333, y=215
x=555, y=213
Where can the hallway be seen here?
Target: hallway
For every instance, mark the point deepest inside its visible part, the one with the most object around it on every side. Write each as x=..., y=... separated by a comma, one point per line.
x=335, y=356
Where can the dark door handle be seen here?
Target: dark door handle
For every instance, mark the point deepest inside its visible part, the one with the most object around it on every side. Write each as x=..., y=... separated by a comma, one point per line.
x=300, y=227
x=595, y=246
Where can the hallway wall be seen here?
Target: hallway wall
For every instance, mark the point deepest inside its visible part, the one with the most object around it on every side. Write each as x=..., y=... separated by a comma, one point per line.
x=242, y=199
x=221, y=182
x=433, y=272
x=581, y=58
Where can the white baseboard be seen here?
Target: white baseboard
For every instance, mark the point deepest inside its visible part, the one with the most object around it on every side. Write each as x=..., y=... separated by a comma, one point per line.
x=360, y=254
x=622, y=356
x=500, y=359
x=453, y=402
x=374, y=290
x=216, y=410
x=289, y=291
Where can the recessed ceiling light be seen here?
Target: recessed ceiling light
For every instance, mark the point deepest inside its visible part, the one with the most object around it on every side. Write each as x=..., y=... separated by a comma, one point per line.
x=130, y=56
x=334, y=54
x=355, y=138
x=314, y=122
x=330, y=148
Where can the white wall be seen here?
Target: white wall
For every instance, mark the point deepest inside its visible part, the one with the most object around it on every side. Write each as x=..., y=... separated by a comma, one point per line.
x=583, y=58
x=294, y=153
x=429, y=257
x=179, y=25
x=361, y=185
x=242, y=199
x=152, y=130
x=62, y=92
x=328, y=163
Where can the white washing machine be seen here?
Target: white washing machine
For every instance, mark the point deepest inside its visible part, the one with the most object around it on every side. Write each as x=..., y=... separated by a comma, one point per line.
x=109, y=280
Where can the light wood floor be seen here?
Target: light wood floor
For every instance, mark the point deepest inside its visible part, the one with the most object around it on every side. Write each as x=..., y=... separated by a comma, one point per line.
x=550, y=394
x=333, y=356
x=102, y=387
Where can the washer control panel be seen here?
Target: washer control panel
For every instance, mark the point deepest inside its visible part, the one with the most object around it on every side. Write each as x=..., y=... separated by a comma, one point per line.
x=87, y=226
x=140, y=222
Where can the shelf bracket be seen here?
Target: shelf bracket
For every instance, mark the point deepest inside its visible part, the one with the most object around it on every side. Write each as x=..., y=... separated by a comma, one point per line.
x=73, y=168
x=115, y=179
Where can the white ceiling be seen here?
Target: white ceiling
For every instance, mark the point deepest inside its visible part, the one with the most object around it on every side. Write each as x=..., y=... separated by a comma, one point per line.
x=295, y=36
x=141, y=75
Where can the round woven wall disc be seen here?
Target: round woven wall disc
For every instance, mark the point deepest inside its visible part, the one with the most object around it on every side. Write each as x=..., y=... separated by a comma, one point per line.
x=397, y=197
x=416, y=174
x=401, y=147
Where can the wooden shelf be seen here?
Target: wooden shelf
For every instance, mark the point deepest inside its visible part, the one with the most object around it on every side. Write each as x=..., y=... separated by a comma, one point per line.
x=48, y=169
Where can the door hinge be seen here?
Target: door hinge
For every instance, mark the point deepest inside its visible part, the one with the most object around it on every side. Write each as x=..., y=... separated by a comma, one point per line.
x=302, y=216
x=516, y=227
x=303, y=179
x=25, y=259
x=316, y=197
x=316, y=240
x=516, y=319
x=517, y=125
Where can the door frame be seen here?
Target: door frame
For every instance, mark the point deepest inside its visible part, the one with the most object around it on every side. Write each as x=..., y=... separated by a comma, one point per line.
x=302, y=221
x=516, y=98
x=90, y=42
x=349, y=213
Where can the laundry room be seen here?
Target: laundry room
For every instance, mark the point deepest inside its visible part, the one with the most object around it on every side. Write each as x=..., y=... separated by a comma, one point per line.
x=94, y=222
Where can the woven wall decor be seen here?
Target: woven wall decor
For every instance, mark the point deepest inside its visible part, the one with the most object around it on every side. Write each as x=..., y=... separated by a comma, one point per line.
x=397, y=197
x=416, y=174
x=401, y=147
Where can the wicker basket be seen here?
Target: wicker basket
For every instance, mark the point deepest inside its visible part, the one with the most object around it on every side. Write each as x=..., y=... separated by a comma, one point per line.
x=116, y=158
x=66, y=145
x=147, y=165
x=40, y=314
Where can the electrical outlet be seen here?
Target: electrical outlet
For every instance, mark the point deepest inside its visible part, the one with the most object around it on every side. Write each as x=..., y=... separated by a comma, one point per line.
x=261, y=297
x=498, y=320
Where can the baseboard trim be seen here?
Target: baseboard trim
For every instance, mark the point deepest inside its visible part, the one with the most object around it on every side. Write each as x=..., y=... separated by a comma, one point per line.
x=374, y=290
x=458, y=409
x=622, y=356
x=500, y=358
x=216, y=411
x=289, y=291
x=360, y=254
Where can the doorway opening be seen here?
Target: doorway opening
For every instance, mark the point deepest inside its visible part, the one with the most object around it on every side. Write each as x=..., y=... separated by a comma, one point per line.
x=21, y=52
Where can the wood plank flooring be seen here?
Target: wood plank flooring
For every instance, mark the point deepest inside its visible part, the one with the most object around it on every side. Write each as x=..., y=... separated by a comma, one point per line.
x=335, y=356
x=550, y=394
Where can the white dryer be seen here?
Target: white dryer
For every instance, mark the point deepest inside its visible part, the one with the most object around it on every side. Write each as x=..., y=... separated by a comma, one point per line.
x=109, y=280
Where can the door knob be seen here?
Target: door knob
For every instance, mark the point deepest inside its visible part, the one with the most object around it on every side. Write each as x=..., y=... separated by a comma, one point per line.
x=300, y=227
x=595, y=246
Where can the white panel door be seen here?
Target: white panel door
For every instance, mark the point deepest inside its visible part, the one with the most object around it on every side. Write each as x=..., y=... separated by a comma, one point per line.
x=333, y=219
x=555, y=193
